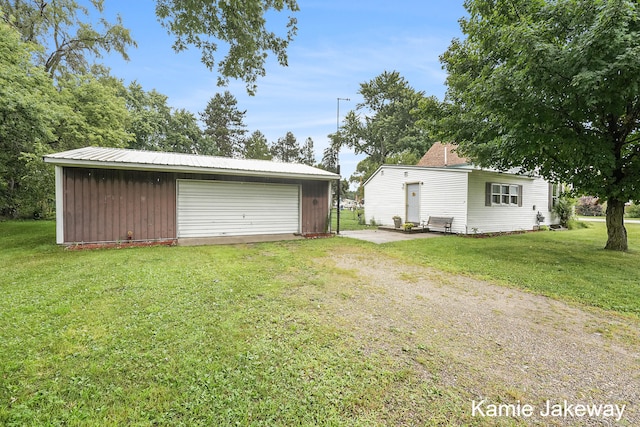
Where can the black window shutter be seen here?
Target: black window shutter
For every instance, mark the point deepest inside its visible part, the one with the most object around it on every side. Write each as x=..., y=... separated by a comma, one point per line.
x=487, y=194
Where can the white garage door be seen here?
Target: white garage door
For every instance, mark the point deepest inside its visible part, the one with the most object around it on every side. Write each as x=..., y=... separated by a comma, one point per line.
x=221, y=208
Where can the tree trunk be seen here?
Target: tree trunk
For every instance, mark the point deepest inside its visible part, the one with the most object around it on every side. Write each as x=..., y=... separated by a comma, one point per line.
x=616, y=233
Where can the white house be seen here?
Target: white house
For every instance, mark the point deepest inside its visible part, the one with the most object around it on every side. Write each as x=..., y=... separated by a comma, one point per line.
x=445, y=185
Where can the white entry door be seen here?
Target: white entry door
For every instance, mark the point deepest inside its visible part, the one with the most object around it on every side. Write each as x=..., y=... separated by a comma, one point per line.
x=413, y=202
x=227, y=208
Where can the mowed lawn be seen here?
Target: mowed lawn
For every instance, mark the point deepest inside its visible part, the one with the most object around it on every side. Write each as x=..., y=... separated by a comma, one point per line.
x=220, y=335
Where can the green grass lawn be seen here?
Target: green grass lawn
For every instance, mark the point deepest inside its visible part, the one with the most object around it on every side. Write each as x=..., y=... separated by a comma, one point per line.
x=170, y=336
x=220, y=335
x=348, y=220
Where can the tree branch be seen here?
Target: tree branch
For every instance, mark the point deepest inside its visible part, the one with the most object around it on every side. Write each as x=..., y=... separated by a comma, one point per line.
x=67, y=47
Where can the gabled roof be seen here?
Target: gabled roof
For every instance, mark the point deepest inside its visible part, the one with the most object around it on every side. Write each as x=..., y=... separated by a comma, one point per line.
x=120, y=158
x=442, y=155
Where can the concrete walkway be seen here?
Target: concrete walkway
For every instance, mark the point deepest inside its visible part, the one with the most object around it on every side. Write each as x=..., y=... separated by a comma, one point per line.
x=383, y=236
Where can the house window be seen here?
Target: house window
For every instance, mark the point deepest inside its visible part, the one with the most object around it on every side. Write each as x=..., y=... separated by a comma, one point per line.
x=556, y=190
x=504, y=194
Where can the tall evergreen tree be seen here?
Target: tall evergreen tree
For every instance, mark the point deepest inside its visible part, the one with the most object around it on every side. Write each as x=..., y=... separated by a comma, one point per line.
x=256, y=147
x=286, y=149
x=307, y=154
x=224, y=124
x=329, y=160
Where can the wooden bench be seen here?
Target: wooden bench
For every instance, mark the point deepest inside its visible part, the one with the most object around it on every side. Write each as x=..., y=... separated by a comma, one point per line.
x=439, y=222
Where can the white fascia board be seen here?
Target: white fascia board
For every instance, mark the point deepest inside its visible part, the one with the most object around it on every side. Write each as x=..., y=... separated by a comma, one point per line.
x=509, y=174
x=59, y=179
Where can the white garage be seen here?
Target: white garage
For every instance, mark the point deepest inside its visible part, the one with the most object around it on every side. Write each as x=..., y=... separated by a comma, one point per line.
x=229, y=208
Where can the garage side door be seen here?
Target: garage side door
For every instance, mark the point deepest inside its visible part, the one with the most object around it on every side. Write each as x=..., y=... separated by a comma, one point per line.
x=220, y=208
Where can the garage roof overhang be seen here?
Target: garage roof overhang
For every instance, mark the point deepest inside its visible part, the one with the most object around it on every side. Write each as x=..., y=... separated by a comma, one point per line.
x=120, y=158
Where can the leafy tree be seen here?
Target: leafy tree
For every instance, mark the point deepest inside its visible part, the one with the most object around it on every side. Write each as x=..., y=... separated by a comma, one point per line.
x=240, y=25
x=36, y=193
x=256, y=147
x=383, y=124
x=158, y=127
x=185, y=136
x=307, y=154
x=94, y=114
x=68, y=41
x=90, y=112
x=286, y=149
x=224, y=124
x=365, y=168
x=29, y=111
x=344, y=190
x=429, y=115
x=37, y=119
x=150, y=118
x=552, y=86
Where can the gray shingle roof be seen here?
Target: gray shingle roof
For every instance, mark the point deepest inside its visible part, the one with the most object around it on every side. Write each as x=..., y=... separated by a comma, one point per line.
x=120, y=158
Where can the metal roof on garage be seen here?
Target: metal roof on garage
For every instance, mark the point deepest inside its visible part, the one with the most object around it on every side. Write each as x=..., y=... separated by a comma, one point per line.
x=121, y=158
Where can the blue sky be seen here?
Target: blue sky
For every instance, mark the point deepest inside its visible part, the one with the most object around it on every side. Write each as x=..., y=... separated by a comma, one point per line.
x=340, y=44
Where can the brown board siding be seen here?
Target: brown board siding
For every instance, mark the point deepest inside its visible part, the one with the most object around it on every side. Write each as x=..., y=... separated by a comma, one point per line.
x=315, y=207
x=104, y=205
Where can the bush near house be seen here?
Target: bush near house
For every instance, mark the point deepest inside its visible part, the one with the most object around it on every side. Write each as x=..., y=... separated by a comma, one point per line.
x=564, y=209
x=633, y=211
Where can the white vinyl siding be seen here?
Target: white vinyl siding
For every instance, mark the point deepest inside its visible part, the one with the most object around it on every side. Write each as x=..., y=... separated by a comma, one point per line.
x=442, y=193
x=384, y=196
x=225, y=208
x=515, y=210
x=460, y=193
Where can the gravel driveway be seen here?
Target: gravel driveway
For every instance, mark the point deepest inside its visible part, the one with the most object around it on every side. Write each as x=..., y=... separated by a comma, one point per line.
x=502, y=345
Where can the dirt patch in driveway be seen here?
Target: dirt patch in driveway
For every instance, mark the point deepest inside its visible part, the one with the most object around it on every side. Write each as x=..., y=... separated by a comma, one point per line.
x=498, y=344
